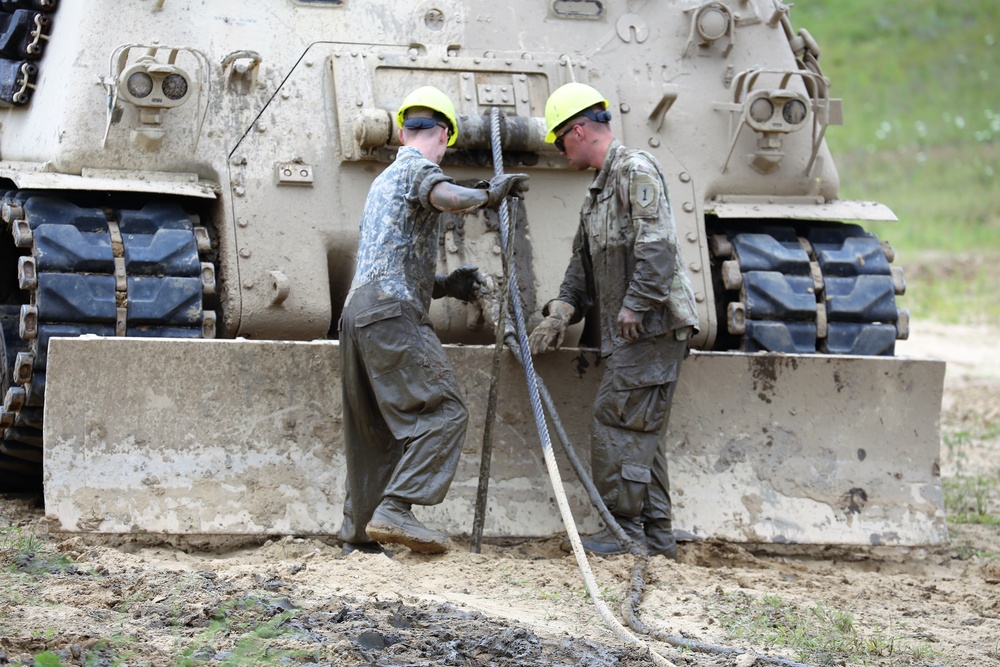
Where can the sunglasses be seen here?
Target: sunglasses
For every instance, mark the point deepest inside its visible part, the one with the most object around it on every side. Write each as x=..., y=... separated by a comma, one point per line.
x=424, y=123
x=560, y=142
x=603, y=116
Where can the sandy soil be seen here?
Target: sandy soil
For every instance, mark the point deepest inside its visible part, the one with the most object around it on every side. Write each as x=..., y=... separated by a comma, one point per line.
x=296, y=601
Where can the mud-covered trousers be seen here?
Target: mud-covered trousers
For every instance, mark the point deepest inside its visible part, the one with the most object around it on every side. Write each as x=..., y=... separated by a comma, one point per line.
x=628, y=458
x=404, y=418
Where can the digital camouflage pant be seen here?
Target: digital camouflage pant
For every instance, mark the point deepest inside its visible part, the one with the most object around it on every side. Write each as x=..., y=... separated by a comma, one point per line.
x=404, y=418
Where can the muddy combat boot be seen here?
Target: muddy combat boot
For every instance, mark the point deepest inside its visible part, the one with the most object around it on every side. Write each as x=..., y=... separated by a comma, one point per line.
x=604, y=543
x=394, y=523
x=660, y=538
x=365, y=548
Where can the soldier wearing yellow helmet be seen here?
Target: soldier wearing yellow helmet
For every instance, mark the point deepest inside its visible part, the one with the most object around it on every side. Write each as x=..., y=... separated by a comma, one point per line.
x=626, y=261
x=441, y=108
x=572, y=100
x=398, y=386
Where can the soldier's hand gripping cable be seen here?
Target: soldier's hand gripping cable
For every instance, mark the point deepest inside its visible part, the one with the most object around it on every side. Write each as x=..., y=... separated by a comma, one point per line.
x=487, y=194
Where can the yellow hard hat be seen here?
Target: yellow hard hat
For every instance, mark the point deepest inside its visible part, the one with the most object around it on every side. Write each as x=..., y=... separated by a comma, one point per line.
x=566, y=102
x=432, y=98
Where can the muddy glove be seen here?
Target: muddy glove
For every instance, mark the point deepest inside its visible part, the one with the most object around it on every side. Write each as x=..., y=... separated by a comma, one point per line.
x=549, y=333
x=508, y=185
x=462, y=283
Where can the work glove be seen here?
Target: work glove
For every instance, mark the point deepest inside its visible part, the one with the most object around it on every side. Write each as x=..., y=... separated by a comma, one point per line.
x=549, y=333
x=462, y=283
x=508, y=185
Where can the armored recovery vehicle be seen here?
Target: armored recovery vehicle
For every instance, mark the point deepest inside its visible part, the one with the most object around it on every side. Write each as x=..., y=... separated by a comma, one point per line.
x=181, y=187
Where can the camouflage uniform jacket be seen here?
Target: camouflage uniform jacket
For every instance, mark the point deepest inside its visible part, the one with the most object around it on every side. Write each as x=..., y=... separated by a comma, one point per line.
x=398, y=241
x=626, y=251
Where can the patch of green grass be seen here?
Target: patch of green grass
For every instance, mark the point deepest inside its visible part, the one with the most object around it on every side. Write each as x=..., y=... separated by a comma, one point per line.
x=947, y=197
x=972, y=499
x=921, y=134
x=115, y=652
x=16, y=540
x=956, y=290
x=24, y=551
x=957, y=440
x=919, y=72
x=48, y=659
x=967, y=551
x=250, y=627
x=817, y=635
x=610, y=594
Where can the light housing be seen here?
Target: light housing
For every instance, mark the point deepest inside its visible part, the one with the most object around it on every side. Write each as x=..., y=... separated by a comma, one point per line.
x=777, y=110
x=153, y=85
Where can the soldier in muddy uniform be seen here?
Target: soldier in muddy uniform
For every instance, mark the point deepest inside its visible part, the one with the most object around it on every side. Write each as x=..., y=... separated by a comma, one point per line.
x=404, y=418
x=626, y=263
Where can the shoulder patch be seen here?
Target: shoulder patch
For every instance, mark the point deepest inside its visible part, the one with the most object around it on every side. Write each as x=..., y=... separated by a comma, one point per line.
x=645, y=190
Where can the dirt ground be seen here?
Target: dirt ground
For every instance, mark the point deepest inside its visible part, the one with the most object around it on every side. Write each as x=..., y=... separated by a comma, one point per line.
x=300, y=601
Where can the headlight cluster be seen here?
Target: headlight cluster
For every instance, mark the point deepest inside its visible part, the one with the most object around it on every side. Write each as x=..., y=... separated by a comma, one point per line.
x=152, y=84
x=776, y=110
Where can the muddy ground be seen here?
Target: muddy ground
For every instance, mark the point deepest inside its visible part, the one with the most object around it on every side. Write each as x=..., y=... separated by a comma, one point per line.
x=83, y=600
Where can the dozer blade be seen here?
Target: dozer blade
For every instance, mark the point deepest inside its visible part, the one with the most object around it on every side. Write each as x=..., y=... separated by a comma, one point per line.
x=244, y=437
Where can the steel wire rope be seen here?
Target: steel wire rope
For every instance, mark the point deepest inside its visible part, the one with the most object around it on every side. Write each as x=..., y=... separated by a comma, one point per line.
x=543, y=432
x=539, y=394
